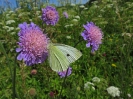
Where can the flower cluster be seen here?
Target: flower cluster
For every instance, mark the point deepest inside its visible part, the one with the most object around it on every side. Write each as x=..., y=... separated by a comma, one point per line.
x=32, y=44
x=113, y=91
x=93, y=35
x=50, y=15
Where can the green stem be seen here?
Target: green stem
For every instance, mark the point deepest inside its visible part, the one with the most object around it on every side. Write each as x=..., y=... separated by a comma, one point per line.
x=63, y=83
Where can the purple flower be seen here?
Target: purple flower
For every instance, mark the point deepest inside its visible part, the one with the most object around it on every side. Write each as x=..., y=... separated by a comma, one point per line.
x=65, y=14
x=50, y=15
x=93, y=35
x=32, y=44
x=63, y=74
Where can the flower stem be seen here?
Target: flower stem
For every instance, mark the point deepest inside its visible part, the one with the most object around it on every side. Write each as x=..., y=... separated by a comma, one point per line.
x=63, y=84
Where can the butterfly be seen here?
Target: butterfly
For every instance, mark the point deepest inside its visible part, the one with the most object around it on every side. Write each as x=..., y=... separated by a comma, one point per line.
x=61, y=55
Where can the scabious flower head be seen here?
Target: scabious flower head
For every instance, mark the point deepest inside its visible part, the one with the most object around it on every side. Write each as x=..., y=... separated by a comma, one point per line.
x=63, y=74
x=65, y=14
x=113, y=91
x=93, y=35
x=32, y=44
x=50, y=15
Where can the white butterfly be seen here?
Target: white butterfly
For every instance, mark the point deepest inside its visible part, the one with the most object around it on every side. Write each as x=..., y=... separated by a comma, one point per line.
x=60, y=56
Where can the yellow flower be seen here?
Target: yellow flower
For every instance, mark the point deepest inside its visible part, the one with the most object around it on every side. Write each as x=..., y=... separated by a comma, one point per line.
x=113, y=65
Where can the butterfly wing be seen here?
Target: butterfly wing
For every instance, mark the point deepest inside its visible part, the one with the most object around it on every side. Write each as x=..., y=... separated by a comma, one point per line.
x=57, y=60
x=71, y=53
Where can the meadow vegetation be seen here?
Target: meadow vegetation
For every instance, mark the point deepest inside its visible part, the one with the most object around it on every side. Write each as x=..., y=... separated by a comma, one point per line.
x=92, y=74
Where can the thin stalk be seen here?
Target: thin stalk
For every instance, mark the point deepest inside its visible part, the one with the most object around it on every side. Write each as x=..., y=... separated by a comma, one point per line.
x=63, y=84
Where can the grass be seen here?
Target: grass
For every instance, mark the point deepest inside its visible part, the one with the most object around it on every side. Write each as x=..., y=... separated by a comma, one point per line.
x=112, y=63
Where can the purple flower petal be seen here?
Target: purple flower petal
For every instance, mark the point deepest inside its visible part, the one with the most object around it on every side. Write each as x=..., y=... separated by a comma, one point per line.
x=93, y=35
x=50, y=15
x=32, y=44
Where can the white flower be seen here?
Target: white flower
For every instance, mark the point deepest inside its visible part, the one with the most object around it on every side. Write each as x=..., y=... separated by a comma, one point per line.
x=71, y=25
x=129, y=95
x=38, y=12
x=113, y=91
x=75, y=20
x=127, y=34
x=39, y=16
x=6, y=27
x=10, y=22
x=82, y=6
x=85, y=8
x=17, y=28
x=17, y=9
x=66, y=26
x=77, y=17
x=11, y=12
x=96, y=80
x=72, y=4
x=10, y=29
x=20, y=15
x=68, y=37
x=89, y=86
x=30, y=19
x=12, y=33
x=7, y=16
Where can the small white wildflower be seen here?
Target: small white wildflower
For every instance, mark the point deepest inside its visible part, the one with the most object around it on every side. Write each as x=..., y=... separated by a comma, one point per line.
x=17, y=9
x=129, y=95
x=12, y=33
x=95, y=2
x=85, y=8
x=95, y=6
x=126, y=34
x=39, y=16
x=10, y=29
x=89, y=85
x=10, y=22
x=17, y=28
x=7, y=16
x=68, y=37
x=113, y=91
x=73, y=4
x=109, y=5
x=38, y=12
x=99, y=16
x=71, y=25
x=11, y=12
x=102, y=10
x=96, y=80
x=75, y=20
x=6, y=27
x=82, y=6
x=77, y=17
x=30, y=19
x=20, y=15
x=66, y=26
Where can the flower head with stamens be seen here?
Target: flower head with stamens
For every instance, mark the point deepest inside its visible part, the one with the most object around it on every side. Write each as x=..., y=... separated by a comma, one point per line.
x=32, y=44
x=93, y=35
x=49, y=15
